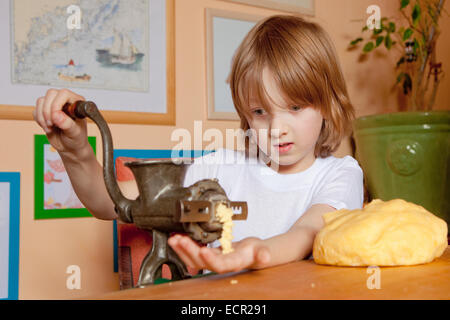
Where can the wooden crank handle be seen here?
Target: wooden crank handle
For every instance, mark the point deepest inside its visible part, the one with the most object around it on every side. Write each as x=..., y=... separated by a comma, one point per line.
x=74, y=110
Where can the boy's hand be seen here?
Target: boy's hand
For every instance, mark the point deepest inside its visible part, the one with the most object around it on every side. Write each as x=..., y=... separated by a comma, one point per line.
x=63, y=133
x=249, y=253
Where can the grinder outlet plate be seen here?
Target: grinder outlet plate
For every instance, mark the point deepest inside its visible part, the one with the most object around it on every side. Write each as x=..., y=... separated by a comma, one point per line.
x=240, y=210
x=194, y=211
x=202, y=211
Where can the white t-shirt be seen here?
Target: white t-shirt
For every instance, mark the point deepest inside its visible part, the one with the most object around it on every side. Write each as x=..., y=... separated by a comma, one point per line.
x=276, y=201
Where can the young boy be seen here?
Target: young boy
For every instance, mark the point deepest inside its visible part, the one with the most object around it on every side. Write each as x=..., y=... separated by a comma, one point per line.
x=288, y=89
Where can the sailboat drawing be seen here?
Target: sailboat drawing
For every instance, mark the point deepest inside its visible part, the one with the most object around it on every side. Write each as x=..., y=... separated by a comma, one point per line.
x=122, y=54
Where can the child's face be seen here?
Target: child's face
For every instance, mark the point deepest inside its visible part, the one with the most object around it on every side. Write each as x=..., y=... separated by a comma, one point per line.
x=298, y=125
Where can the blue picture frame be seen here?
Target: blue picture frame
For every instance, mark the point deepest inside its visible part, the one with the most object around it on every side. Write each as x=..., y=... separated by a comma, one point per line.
x=147, y=154
x=13, y=178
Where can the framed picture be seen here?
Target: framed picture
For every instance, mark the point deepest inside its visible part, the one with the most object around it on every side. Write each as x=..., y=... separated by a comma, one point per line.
x=119, y=54
x=297, y=6
x=54, y=196
x=225, y=30
x=9, y=235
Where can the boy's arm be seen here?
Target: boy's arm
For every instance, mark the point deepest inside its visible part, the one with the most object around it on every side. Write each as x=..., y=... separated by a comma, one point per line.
x=86, y=176
x=254, y=253
x=297, y=243
x=69, y=138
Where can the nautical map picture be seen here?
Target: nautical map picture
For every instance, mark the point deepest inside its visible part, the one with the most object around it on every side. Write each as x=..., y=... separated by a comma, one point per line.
x=99, y=44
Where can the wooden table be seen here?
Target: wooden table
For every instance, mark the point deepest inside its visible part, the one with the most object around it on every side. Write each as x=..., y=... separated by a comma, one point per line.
x=307, y=280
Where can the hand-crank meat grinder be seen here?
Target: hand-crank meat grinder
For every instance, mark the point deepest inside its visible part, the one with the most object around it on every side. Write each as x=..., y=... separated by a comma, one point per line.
x=163, y=205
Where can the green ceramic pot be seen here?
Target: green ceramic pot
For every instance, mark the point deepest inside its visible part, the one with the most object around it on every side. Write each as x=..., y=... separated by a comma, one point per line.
x=406, y=155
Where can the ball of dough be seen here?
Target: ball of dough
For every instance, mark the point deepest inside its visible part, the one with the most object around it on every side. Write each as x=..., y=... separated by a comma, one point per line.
x=391, y=233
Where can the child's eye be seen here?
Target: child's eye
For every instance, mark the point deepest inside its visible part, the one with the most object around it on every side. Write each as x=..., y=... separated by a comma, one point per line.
x=296, y=108
x=259, y=112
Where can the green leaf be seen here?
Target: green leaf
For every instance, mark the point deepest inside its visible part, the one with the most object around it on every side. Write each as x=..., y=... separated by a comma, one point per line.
x=391, y=27
x=400, y=62
x=379, y=41
x=365, y=28
x=388, y=42
x=416, y=46
x=407, y=84
x=408, y=33
x=404, y=3
x=368, y=47
x=356, y=41
x=377, y=31
x=400, y=77
x=416, y=14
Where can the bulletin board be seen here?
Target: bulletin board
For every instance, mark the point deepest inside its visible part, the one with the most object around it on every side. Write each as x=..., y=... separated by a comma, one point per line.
x=125, y=67
x=9, y=235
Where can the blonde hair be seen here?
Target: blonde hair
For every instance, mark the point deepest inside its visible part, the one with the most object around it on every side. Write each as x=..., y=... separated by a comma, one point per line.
x=303, y=61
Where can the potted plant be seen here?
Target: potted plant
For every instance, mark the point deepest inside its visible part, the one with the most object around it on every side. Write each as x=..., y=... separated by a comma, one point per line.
x=406, y=154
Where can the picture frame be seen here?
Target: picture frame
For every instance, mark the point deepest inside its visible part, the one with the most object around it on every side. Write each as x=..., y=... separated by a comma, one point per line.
x=306, y=7
x=54, y=196
x=18, y=100
x=231, y=28
x=9, y=235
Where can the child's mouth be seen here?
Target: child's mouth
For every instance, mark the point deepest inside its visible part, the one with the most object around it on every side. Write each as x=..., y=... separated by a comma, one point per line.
x=284, y=147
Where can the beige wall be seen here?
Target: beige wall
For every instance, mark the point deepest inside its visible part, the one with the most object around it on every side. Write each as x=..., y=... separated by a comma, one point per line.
x=48, y=247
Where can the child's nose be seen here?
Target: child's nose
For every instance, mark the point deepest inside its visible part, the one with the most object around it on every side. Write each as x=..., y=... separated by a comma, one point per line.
x=278, y=127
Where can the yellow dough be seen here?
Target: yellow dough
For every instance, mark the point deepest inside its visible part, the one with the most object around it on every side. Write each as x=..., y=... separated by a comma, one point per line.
x=225, y=216
x=391, y=233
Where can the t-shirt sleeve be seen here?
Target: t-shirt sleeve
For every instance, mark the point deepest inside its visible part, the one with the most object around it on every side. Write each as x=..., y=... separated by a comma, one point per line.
x=343, y=188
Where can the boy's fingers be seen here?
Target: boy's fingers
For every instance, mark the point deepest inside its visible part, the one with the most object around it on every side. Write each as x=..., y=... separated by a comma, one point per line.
x=38, y=114
x=216, y=250
x=177, y=248
x=65, y=123
x=222, y=263
x=64, y=96
x=175, y=243
x=47, y=108
x=211, y=260
x=192, y=250
x=59, y=118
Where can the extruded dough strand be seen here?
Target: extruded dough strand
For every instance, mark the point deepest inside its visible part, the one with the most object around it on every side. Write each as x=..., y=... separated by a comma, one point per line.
x=225, y=216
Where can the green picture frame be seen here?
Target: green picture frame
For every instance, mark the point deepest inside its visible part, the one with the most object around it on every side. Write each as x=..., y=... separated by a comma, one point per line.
x=40, y=212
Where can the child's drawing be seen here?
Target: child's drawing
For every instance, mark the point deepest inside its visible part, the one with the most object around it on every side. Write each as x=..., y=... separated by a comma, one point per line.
x=58, y=191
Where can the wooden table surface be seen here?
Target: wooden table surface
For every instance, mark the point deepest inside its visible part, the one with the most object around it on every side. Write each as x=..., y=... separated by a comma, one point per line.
x=306, y=280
